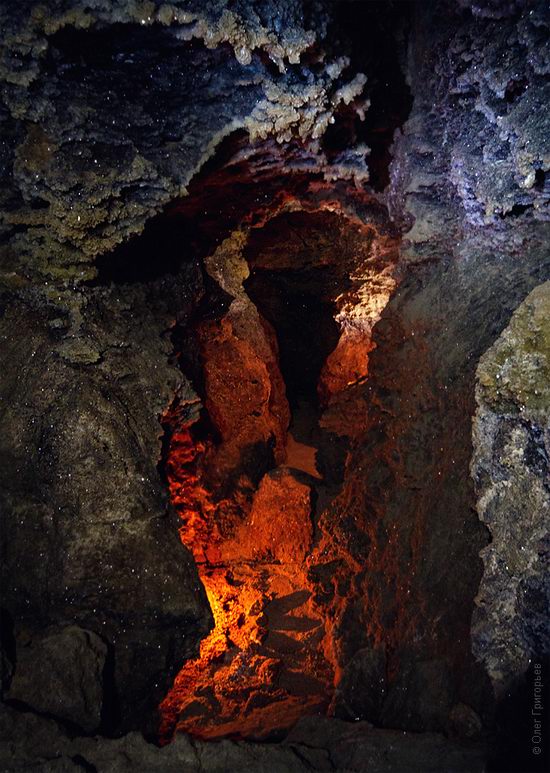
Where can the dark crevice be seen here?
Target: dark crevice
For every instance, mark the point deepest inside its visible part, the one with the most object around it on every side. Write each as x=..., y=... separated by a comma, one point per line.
x=77, y=52
x=295, y=279
x=516, y=211
x=159, y=251
x=515, y=89
x=376, y=39
x=7, y=648
x=297, y=304
x=300, y=304
x=110, y=708
x=540, y=179
x=79, y=760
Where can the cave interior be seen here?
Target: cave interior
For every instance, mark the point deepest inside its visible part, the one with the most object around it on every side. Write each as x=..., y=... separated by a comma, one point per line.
x=275, y=427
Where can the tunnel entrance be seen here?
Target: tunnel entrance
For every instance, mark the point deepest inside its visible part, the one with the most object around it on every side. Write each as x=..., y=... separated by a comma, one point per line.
x=253, y=478
x=297, y=295
x=299, y=302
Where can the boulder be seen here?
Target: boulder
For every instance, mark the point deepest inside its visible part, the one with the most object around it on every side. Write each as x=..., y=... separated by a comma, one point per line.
x=362, y=688
x=61, y=675
x=421, y=696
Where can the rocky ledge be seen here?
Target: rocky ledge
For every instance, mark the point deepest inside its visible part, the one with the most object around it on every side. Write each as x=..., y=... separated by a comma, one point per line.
x=31, y=743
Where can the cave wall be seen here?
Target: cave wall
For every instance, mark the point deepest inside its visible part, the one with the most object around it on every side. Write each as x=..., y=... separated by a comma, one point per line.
x=510, y=469
x=409, y=509
x=469, y=187
x=474, y=151
x=89, y=538
x=107, y=113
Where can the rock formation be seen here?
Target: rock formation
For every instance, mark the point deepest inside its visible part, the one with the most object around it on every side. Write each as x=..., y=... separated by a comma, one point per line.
x=510, y=468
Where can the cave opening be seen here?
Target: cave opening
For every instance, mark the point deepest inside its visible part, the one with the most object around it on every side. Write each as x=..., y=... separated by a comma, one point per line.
x=277, y=503
x=296, y=304
x=295, y=301
x=295, y=290
x=280, y=333
x=260, y=448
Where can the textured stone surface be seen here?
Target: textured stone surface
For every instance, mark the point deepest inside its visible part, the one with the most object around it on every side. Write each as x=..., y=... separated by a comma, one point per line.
x=244, y=391
x=406, y=513
x=87, y=532
x=407, y=505
x=279, y=526
x=62, y=675
x=359, y=747
x=362, y=687
x=420, y=697
x=27, y=739
x=36, y=744
x=468, y=185
x=510, y=467
x=474, y=150
x=255, y=538
x=118, y=105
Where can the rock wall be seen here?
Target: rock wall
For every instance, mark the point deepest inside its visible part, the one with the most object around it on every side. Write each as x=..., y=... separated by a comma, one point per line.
x=510, y=470
x=107, y=113
x=474, y=152
x=88, y=536
x=408, y=507
x=468, y=185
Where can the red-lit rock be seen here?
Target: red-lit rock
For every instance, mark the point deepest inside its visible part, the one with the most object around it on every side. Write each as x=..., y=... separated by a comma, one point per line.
x=276, y=579
x=245, y=396
x=278, y=528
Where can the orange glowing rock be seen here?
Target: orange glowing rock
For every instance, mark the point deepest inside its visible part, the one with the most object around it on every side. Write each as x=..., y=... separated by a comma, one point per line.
x=278, y=583
x=245, y=392
x=300, y=456
x=263, y=665
x=346, y=365
x=278, y=528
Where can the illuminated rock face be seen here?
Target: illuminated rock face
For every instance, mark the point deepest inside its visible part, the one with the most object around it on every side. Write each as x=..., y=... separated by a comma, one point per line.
x=324, y=553
x=251, y=479
x=510, y=467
